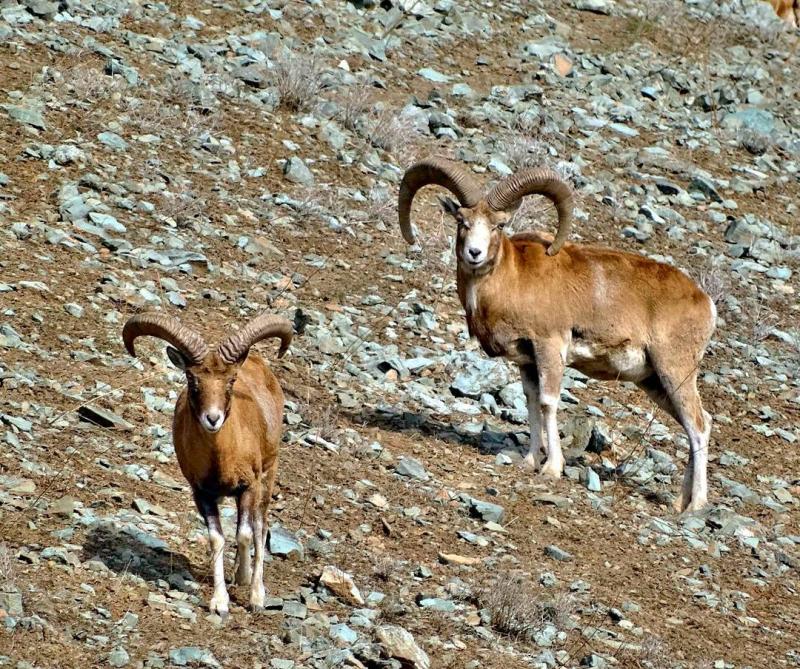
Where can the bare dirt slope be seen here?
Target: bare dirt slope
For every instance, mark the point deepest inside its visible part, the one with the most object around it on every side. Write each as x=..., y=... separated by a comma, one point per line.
x=215, y=159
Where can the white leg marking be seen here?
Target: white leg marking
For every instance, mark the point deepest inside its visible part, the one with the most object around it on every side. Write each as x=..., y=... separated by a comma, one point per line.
x=219, y=602
x=555, y=459
x=694, y=491
x=244, y=538
x=257, y=592
x=536, y=454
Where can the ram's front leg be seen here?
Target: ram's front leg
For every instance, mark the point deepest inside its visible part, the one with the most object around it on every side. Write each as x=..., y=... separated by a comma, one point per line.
x=209, y=509
x=550, y=367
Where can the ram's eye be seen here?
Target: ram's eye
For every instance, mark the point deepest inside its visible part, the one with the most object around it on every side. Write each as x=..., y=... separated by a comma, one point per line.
x=500, y=226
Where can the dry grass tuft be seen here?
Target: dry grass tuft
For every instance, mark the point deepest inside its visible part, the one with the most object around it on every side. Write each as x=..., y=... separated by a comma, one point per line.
x=715, y=282
x=354, y=104
x=754, y=142
x=393, y=133
x=385, y=568
x=518, y=609
x=298, y=80
x=6, y=567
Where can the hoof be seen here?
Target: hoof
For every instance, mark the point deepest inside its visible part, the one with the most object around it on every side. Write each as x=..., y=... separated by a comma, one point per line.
x=243, y=579
x=552, y=471
x=529, y=462
x=257, y=598
x=219, y=605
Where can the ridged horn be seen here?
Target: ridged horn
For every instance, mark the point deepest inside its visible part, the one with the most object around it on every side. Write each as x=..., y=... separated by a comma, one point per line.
x=261, y=327
x=536, y=181
x=170, y=329
x=439, y=172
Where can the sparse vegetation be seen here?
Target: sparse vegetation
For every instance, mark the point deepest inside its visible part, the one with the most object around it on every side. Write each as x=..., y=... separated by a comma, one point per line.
x=7, y=577
x=519, y=609
x=298, y=80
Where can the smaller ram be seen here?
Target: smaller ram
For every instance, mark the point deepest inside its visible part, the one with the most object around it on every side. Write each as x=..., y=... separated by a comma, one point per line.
x=545, y=304
x=226, y=431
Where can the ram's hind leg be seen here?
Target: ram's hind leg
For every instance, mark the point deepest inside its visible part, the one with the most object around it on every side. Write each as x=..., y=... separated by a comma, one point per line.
x=264, y=486
x=530, y=384
x=675, y=391
x=550, y=367
x=244, y=539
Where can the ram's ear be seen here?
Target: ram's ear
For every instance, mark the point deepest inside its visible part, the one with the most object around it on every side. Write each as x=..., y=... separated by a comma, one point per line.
x=449, y=206
x=177, y=358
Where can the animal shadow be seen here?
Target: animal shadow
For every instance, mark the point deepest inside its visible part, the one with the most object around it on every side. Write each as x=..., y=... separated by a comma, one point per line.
x=123, y=552
x=489, y=441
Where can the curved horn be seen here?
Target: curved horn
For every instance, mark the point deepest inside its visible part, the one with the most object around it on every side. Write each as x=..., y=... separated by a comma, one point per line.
x=440, y=172
x=261, y=327
x=537, y=181
x=169, y=329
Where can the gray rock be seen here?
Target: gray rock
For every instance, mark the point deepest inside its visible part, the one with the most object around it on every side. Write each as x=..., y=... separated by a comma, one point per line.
x=398, y=643
x=436, y=604
x=113, y=141
x=592, y=480
x=193, y=656
x=294, y=609
x=487, y=511
x=103, y=418
x=557, y=553
x=296, y=171
x=119, y=657
x=433, y=75
x=411, y=468
x=595, y=6
x=27, y=115
x=285, y=544
x=753, y=119
x=11, y=601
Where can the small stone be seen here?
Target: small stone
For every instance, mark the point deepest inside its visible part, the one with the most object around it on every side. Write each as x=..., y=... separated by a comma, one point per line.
x=296, y=171
x=592, y=480
x=104, y=418
x=75, y=310
x=11, y=601
x=557, y=553
x=487, y=511
x=411, y=468
x=453, y=558
x=284, y=543
x=433, y=75
x=119, y=657
x=398, y=643
x=341, y=584
x=113, y=141
x=562, y=65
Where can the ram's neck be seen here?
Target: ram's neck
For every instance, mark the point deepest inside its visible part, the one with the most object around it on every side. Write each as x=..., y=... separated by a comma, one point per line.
x=475, y=288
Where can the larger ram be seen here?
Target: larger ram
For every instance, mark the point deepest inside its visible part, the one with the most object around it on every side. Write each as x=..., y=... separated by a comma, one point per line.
x=545, y=304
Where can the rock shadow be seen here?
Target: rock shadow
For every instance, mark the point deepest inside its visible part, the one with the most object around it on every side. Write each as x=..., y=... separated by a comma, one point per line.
x=124, y=552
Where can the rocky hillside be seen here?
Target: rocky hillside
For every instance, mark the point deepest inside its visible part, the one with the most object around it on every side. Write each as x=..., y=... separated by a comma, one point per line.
x=217, y=158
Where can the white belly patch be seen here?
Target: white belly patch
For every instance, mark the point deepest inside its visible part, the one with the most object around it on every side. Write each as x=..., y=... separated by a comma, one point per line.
x=627, y=363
